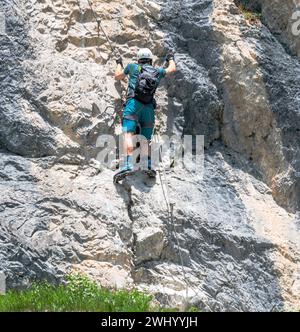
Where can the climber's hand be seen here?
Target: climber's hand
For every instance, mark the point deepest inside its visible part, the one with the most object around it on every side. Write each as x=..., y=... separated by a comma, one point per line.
x=170, y=56
x=170, y=59
x=119, y=61
x=119, y=73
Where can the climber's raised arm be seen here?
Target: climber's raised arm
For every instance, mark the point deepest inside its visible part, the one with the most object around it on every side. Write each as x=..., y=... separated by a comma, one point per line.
x=171, y=64
x=119, y=73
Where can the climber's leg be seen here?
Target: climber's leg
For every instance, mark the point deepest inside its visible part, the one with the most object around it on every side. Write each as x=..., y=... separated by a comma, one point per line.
x=147, y=120
x=126, y=165
x=129, y=128
x=128, y=143
x=131, y=124
x=136, y=114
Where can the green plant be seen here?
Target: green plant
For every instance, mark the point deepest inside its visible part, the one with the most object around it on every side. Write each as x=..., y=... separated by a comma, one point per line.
x=78, y=294
x=251, y=16
x=251, y=10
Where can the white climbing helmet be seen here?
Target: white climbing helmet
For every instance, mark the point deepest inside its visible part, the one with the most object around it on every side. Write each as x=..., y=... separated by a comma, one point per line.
x=144, y=53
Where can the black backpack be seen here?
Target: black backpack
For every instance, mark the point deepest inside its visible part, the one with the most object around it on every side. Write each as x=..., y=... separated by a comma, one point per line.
x=147, y=83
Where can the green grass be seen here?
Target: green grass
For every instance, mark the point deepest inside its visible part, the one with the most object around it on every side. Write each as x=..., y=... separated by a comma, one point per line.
x=79, y=294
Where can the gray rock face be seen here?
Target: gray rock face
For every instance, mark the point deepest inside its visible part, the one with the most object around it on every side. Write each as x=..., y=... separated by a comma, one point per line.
x=149, y=245
x=26, y=127
x=237, y=230
x=2, y=283
x=282, y=18
x=249, y=71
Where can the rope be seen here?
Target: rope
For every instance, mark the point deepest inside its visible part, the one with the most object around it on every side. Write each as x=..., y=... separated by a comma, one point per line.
x=99, y=27
x=113, y=49
x=81, y=15
x=94, y=14
x=98, y=20
x=170, y=208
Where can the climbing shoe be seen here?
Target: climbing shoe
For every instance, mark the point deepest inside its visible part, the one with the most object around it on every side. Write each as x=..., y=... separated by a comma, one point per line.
x=149, y=171
x=126, y=170
x=122, y=175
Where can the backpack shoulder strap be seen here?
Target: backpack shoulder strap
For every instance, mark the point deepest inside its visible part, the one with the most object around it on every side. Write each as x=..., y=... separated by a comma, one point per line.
x=134, y=68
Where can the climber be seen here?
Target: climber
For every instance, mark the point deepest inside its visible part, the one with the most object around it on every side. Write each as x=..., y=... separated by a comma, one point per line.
x=139, y=112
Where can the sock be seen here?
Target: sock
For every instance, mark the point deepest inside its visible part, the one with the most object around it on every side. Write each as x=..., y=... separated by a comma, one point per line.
x=149, y=163
x=144, y=163
x=128, y=163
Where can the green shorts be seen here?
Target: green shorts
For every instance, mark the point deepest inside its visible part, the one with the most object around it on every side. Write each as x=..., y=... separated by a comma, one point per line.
x=137, y=114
